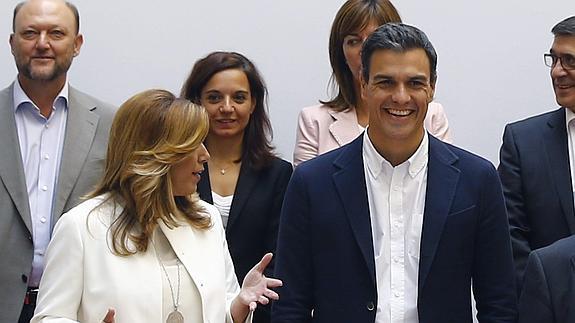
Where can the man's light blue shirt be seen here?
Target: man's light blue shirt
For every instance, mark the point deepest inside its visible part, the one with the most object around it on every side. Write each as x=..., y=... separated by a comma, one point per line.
x=41, y=143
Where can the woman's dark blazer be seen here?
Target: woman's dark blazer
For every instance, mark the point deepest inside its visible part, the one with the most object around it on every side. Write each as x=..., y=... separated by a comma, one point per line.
x=253, y=221
x=252, y=228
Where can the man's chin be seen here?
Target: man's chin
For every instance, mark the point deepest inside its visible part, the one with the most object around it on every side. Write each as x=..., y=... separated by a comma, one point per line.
x=42, y=76
x=568, y=103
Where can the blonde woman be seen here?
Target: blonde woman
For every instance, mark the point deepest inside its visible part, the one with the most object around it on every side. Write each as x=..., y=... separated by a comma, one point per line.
x=144, y=248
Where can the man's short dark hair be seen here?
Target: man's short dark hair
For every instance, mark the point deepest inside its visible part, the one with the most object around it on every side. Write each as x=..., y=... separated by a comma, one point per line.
x=70, y=5
x=398, y=37
x=565, y=27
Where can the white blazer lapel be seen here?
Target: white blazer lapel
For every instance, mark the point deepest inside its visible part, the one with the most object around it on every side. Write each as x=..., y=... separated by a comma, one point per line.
x=186, y=243
x=201, y=253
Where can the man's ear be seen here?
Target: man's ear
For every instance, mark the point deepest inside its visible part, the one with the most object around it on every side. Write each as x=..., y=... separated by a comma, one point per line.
x=431, y=93
x=11, y=41
x=363, y=85
x=78, y=44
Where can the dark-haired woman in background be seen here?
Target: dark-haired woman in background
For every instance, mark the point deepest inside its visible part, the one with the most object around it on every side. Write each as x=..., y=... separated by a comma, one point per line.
x=245, y=181
x=336, y=122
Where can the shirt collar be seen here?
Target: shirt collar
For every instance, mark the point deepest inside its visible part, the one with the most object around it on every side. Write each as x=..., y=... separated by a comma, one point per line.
x=376, y=163
x=21, y=97
x=569, y=116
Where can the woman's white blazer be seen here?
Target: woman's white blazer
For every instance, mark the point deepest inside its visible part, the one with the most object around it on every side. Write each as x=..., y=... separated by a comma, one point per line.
x=83, y=278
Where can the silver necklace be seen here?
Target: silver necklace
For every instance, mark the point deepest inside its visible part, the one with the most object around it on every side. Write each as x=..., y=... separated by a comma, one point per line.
x=175, y=316
x=223, y=170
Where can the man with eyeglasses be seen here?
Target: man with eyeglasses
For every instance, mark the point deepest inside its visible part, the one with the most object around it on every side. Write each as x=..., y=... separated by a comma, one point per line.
x=537, y=165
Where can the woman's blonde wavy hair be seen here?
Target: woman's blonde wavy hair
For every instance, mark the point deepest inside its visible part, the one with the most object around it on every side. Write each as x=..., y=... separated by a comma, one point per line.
x=151, y=131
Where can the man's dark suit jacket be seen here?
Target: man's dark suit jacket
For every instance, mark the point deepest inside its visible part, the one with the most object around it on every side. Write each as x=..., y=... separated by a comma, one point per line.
x=253, y=221
x=536, y=177
x=325, y=251
x=548, y=294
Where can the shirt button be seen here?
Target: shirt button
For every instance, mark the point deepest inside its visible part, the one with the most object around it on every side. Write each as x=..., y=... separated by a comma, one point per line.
x=395, y=259
x=396, y=294
x=46, y=157
x=46, y=126
x=370, y=306
x=44, y=188
x=43, y=219
x=396, y=188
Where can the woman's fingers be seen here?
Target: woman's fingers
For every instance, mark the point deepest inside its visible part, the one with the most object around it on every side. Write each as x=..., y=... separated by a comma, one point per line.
x=273, y=282
x=271, y=294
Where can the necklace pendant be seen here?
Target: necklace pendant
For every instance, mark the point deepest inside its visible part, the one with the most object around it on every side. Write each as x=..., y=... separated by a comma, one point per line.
x=223, y=171
x=175, y=317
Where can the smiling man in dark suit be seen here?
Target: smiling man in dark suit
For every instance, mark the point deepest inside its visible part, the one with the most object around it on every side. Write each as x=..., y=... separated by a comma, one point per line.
x=548, y=293
x=53, y=141
x=394, y=226
x=536, y=161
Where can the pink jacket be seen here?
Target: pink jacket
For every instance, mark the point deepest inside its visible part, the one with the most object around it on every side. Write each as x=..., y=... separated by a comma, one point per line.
x=321, y=129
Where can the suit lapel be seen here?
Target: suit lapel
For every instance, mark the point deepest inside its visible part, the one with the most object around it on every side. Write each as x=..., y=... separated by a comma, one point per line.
x=81, y=127
x=201, y=254
x=11, y=169
x=345, y=127
x=557, y=152
x=565, y=301
x=349, y=182
x=204, y=187
x=442, y=178
x=244, y=188
x=187, y=245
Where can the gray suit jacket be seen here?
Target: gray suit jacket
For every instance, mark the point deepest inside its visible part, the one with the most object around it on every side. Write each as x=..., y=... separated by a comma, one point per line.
x=85, y=144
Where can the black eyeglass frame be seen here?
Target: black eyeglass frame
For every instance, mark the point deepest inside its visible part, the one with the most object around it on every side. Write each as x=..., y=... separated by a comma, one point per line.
x=551, y=59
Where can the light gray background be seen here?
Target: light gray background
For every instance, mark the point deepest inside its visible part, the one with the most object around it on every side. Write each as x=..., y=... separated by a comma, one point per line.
x=491, y=69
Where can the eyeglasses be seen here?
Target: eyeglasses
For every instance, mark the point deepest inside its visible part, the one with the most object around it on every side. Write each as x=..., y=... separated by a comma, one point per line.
x=567, y=60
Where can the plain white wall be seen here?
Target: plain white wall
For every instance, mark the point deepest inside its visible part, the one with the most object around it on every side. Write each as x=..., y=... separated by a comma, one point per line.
x=490, y=68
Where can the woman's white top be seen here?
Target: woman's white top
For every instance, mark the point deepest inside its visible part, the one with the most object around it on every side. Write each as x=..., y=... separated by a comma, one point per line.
x=223, y=204
x=189, y=301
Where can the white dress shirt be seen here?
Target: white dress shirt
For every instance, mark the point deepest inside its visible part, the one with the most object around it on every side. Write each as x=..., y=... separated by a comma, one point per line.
x=570, y=126
x=41, y=141
x=396, y=197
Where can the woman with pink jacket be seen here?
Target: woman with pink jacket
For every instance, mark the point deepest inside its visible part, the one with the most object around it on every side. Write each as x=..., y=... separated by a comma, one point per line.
x=336, y=122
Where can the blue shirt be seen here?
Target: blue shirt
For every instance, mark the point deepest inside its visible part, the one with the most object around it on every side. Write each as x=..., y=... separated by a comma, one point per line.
x=41, y=141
